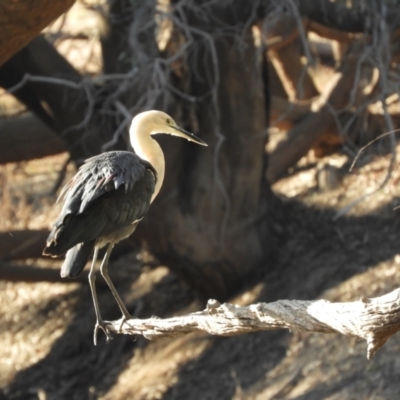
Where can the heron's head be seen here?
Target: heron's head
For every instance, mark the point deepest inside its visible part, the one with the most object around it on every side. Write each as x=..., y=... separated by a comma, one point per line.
x=154, y=122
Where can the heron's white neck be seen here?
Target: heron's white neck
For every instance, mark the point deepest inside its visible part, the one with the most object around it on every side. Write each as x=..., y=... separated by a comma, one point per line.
x=148, y=149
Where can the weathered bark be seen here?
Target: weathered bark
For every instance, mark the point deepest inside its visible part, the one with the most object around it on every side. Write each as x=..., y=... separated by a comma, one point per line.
x=22, y=20
x=373, y=320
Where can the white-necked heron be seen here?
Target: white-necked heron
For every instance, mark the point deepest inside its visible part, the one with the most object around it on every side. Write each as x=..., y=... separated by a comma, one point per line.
x=106, y=199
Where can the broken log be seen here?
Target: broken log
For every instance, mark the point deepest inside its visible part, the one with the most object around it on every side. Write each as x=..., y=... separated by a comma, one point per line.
x=26, y=137
x=371, y=319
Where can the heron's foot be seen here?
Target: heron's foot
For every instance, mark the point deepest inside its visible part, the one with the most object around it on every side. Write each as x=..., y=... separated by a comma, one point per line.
x=124, y=318
x=100, y=324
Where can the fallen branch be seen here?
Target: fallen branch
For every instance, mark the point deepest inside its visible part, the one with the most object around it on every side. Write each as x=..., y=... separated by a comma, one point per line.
x=27, y=137
x=374, y=320
x=21, y=21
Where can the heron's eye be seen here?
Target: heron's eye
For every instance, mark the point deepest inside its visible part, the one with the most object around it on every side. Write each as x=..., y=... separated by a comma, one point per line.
x=168, y=121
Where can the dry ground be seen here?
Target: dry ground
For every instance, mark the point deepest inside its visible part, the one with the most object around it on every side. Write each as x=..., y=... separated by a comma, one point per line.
x=46, y=348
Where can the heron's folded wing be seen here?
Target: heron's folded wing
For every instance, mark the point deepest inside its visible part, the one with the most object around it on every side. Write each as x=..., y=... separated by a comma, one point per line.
x=110, y=191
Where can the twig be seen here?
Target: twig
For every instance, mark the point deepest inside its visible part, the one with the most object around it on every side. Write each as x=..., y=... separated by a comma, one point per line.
x=44, y=79
x=369, y=144
x=346, y=209
x=61, y=177
x=374, y=320
x=128, y=118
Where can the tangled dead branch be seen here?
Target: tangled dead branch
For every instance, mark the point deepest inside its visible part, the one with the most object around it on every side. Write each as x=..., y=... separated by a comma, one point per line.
x=374, y=320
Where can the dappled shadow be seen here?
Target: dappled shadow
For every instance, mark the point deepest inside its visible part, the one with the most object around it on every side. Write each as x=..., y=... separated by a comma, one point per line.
x=76, y=369
x=319, y=254
x=228, y=366
x=324, y=390
x=322, y=251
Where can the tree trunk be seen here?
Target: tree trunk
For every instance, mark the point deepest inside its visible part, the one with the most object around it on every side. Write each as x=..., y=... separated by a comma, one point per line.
x=207, y=223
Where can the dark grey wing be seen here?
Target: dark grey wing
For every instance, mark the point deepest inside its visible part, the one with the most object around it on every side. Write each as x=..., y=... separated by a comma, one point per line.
x=101, y=174
x=109, y=192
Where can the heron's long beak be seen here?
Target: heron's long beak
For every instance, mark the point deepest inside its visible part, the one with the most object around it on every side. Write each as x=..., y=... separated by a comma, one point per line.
x=190, y=136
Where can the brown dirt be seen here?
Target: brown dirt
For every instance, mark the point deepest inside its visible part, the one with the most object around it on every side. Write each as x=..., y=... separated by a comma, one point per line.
x=46, y=347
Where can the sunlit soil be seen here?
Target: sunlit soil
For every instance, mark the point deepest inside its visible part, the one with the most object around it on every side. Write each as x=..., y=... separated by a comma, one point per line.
x=44, y=322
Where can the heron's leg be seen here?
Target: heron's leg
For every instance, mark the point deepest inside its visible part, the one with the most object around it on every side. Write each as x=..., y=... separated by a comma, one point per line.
x=104, y=272
x=99, y=321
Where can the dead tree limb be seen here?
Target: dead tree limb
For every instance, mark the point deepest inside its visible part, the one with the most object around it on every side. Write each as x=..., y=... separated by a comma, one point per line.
x=374, y=320
x=27, y=137
x=21, y=21
x=322, y=117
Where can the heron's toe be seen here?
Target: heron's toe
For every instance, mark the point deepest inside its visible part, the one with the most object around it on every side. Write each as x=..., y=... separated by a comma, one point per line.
x=124, y=320
x=100, y=324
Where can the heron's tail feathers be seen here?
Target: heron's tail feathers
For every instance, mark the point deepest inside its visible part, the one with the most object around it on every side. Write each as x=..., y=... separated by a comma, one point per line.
x=67, y=232
x=60, y=240
x=76, y=259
